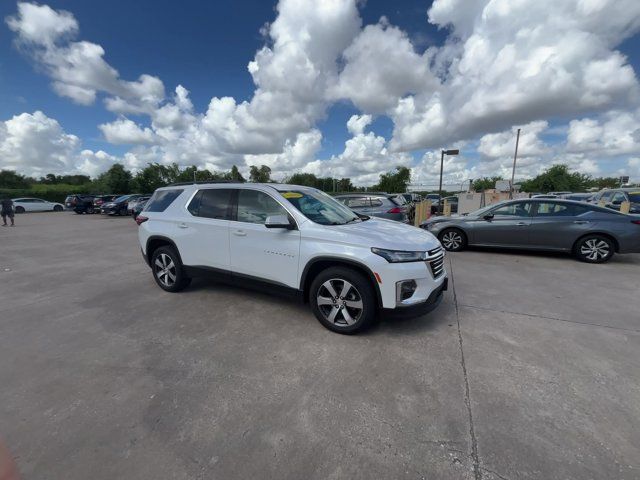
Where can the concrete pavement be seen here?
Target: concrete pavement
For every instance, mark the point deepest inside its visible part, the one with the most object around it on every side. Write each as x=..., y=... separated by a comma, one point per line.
x=529, y=369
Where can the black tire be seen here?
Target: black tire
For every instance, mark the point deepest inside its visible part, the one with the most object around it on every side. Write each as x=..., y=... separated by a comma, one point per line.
x=90, y=210
x=453, y=239
x=174, y=279
x=343, y=315
x=19, y=209
x=78, y=212
x=57, y=208
x=594, y=249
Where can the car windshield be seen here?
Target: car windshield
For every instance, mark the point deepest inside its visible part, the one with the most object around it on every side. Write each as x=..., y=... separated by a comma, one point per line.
x=122, y=198
x=319, y=207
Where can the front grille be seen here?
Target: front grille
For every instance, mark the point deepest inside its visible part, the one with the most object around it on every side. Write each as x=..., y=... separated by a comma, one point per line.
x=437, y=264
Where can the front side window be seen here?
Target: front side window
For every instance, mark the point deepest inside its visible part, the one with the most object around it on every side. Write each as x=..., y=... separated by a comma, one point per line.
x=319, y=207
x=255, y=206
x=520, y=209
x=618, y=198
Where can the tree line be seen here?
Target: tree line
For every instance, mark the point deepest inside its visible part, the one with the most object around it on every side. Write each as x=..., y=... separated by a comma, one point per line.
x=118, y=179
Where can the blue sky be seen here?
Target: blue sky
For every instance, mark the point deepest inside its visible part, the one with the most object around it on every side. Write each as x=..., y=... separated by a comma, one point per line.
x=206, y=46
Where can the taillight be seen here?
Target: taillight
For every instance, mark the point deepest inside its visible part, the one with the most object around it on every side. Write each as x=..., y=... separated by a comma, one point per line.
x=140, y=219
x=637, y=222
x=396, y=210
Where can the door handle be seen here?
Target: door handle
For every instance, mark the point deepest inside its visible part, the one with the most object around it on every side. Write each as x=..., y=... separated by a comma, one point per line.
x=240, y=233
x=522, y=224
x=183, y=225
x=580, y=222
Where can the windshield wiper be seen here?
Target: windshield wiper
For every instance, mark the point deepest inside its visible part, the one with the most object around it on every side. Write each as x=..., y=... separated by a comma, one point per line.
x=354, y=219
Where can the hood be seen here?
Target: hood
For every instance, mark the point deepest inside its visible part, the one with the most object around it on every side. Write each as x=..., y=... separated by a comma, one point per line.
x=382, y=233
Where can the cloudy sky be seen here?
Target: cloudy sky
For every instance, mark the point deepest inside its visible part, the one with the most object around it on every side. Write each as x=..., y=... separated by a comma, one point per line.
x=337, y=87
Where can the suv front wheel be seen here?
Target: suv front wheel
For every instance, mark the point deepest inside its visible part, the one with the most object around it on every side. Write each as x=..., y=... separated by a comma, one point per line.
x=343, y=300
x=167, y=270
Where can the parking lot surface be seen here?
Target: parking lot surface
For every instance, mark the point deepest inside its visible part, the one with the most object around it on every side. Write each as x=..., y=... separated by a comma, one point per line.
x=530, y=368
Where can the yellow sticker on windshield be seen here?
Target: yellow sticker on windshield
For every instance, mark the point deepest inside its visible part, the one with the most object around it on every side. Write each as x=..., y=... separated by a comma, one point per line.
x=292, y=195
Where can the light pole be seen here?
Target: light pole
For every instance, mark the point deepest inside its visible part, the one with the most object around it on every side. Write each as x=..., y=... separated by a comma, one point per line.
x=444, y=152
x=513, y=171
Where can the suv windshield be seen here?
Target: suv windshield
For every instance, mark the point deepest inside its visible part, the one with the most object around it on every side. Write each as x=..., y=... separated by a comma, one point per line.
x=320, y=207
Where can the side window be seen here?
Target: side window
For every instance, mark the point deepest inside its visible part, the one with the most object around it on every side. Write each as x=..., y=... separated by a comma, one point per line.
x=255, y=206
x=618, y=198
x=606, y=196
x=215, y=203
x=194, y=204
x=358, y=202
x=161, y=200
x=520, y=209
x=376, y=202
x=550, y=209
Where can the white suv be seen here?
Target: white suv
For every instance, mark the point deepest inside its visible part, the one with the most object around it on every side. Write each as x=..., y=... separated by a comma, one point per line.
x=295, y=239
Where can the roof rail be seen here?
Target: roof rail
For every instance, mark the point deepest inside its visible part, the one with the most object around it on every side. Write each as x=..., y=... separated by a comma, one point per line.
x=201, y=182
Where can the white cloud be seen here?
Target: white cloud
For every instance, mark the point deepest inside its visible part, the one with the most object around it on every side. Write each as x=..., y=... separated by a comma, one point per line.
x=503, y=144
x=125, y=131
x=615, y=133
x=41, y=24
x=357, y=123
x=35, y=144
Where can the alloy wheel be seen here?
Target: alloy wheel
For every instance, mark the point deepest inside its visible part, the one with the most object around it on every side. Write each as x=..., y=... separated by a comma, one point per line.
x=595, y=249
x=165, y=270
x=452, y=240
x=339, y=302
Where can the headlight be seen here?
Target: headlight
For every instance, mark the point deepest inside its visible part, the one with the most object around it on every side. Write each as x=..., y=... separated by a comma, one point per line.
x=398, y=256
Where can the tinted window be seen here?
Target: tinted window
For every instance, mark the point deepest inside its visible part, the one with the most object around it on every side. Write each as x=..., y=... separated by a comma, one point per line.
x=520, y=209
x=618, y=197
x=255, y=206
x=162, y=199
x=213, y=203
x=376, y=202
x=634, y=197
x=606, y=196
x=548, y=209
x=358, y=202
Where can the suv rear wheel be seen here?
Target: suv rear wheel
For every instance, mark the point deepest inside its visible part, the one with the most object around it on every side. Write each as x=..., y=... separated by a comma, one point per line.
x=343, y=300
x=167, y=270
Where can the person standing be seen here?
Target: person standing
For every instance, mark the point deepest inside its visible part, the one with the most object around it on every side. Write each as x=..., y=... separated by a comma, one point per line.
x=6, y=210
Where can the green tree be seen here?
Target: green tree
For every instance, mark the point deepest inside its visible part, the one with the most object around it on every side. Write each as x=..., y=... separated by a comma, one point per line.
x=395, y=181
x=305, y=179
x=260, y=174
x=485, y=183
x=115, y=180
x=557, y=178
x=235, y=175
x=11, y=179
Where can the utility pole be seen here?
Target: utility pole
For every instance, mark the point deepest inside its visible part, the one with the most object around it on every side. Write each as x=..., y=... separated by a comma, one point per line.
x=513, y=171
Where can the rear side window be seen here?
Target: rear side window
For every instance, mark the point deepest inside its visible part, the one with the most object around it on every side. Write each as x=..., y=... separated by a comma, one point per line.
x=211, y=203
x=162, y=199
x=358, y=202
x=560, y=210
x=376, y=202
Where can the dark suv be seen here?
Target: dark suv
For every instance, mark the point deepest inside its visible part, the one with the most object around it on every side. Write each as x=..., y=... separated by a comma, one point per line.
x=614, y=197
x=79, y=203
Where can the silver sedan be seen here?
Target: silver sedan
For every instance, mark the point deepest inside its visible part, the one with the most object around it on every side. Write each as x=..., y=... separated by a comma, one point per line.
x=593, y=234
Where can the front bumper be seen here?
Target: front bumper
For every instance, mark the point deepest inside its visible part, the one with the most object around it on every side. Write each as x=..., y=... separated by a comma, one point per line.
x=422, y=308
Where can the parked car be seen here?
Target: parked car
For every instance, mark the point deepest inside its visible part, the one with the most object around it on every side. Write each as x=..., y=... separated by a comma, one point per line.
x=80, y=203
x=580, y=197
x=453, y=201
x=593, y=234
x=295, y=239
x=102, y=199
x=412, y=197
x=119, y=206
x=28, y=204
x=381, y=205
x=614, y=197
x=139, y=207
x=133, y=203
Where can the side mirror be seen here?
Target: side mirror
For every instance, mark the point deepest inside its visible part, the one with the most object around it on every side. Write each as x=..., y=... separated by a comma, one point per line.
x=488, y=216
x=278, y=221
